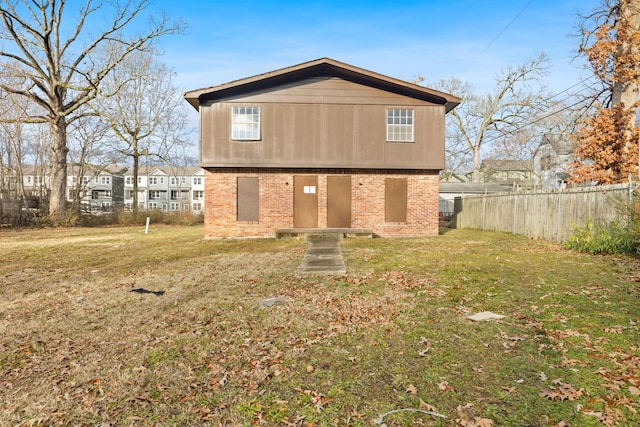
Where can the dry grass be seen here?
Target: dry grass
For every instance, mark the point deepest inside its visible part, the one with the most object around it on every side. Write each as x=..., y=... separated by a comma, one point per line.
x=77, y=347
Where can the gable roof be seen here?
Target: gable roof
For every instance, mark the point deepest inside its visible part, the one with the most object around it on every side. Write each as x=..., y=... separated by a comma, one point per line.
x=506, y=165
x=323, y=67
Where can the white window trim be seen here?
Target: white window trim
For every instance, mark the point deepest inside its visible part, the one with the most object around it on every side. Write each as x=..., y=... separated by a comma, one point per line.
x=251, y=129
x=395, y=131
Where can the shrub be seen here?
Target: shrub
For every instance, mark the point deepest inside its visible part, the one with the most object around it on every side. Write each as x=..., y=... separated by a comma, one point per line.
x=612, y=237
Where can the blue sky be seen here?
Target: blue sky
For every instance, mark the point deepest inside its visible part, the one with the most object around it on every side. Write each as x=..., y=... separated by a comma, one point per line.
x=471, y=40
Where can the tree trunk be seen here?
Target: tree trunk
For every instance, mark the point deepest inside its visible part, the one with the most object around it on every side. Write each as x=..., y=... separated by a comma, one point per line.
x=626, y=92
x=135, y=184
x=475, y=176
x=58, y=184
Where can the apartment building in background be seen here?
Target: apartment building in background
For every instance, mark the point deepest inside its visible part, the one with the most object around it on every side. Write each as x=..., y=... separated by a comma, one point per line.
x=104, y=189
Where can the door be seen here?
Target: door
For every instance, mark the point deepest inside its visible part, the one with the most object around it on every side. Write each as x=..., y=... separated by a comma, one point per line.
x=305, y=201
x=339, y=201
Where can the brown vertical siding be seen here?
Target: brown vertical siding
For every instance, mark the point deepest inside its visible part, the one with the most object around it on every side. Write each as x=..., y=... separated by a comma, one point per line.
x=345, y=128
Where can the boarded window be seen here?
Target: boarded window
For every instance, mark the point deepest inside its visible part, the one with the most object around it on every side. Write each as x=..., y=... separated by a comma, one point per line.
x=248, y=195
x=395, y=199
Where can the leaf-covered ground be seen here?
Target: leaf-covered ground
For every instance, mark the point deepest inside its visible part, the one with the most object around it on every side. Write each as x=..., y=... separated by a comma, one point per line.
x=114, y=327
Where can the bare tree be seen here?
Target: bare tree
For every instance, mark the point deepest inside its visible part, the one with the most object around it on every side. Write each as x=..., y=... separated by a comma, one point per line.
x=145, y=114
x=88, y=154
x=55, y=49
x=519, y=95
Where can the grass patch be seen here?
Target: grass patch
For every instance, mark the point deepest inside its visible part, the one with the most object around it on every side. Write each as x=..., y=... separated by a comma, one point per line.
x=78, y=347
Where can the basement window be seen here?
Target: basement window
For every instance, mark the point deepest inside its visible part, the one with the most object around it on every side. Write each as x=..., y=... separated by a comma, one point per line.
x=399, y=125
x=245, y=123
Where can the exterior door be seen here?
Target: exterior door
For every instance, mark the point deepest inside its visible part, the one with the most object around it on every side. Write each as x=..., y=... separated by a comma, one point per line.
x=339, y=201
x=305, y=201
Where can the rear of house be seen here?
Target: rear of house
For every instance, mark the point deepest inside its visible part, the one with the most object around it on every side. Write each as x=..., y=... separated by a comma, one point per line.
x=321, y=145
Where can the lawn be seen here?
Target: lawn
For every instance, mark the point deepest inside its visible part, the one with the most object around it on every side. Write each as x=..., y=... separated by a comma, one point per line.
x=114, y=327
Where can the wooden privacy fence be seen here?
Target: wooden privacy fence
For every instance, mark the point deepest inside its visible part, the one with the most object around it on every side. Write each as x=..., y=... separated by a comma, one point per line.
x=549, y=215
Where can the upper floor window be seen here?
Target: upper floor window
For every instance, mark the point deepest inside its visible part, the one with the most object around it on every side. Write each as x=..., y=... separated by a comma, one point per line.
x=105, y=180
x=197, y=180
x=245, y=123
x=153, y=180
x=399, y=125
x=129, y=180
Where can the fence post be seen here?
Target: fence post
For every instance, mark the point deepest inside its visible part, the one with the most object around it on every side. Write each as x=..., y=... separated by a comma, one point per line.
x=484, y=207
x=515, y=214
x=559, y=216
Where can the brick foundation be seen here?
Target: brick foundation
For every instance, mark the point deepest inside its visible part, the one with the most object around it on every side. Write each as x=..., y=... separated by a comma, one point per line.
x=276, y=202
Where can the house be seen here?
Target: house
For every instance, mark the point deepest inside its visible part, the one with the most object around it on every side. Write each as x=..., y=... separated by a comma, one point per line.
x=100, y=189
x=321, y=144
x=166, y=188
x=552, y=161
x=514, y=173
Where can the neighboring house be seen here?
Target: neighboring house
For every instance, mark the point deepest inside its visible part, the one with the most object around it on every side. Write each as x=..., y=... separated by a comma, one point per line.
x=552, y=162
x=101, y=189
x=35, y=181
x=321, y=144
x=517, y=174
x=166, y=188
x=450, y=190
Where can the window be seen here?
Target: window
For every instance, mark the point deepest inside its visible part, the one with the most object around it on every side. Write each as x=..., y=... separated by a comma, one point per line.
x=175, y=195
x=129, y=180
x=175, y=206
x=197, y=207
x=105, y=180
x=153, y=180
x=85, y=179
x=197, y=180
x=161, y=180
x=184, y=179
x=245, y=123
x=399, y=125
x=129, y=194
x=174, y=180
x=154, y=194
x=198, y=195
x=153, y=205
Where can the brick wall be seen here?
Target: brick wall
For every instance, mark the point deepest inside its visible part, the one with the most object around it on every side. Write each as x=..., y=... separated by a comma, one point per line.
x=276, y=202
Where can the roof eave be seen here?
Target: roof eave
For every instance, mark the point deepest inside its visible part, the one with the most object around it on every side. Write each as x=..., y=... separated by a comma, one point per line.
x=321, y=67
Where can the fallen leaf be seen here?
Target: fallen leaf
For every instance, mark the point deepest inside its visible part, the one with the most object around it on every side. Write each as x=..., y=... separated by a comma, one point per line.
x=426, y=407
x=412, y=389
x=445, y=386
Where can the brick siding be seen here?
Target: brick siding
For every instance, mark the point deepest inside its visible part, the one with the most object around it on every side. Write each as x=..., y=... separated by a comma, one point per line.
x=276, y=202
